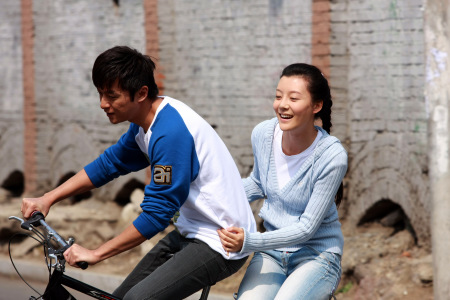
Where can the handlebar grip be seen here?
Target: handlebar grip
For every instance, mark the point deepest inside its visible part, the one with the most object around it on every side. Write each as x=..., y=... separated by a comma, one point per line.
x=36, y=218
x=82, y=264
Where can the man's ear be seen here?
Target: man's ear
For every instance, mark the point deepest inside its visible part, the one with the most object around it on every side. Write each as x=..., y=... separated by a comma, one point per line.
x=317, y=107
x=141, y=95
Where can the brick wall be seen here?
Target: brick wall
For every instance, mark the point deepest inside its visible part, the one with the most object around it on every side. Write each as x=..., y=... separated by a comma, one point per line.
x=223, y=58
x=387, y=110
x=72, y=129
x=152, y=40
x=321, y=30
x=152, y=49
x=339, y=70
x=11, y=87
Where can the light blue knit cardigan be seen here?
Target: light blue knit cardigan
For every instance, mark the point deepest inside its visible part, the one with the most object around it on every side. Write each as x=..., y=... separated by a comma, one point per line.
x=303, y=212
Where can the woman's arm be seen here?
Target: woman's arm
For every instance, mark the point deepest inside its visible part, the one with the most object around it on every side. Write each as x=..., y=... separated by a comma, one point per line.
x=322, y=198
x=320, y=202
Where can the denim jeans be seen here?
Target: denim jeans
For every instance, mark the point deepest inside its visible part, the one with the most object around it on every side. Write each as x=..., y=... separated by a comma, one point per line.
x=304, y=274
x=176, y=268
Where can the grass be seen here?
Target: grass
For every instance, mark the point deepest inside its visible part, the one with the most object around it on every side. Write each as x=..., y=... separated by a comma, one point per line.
x=347, y=287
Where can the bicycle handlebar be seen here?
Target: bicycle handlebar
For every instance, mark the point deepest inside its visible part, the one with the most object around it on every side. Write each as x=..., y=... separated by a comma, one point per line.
x=36, y=219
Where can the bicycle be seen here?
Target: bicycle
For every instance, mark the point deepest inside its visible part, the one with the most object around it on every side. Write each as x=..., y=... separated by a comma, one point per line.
x=54, y=247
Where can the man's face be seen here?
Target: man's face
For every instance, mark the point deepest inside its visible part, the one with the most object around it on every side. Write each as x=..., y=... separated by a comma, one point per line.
x=117, y=104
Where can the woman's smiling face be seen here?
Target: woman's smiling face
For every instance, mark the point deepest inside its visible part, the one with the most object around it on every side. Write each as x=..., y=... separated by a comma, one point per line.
x=293, y=104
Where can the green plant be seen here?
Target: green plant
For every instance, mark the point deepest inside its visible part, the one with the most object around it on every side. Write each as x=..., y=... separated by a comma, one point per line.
x=347, y=287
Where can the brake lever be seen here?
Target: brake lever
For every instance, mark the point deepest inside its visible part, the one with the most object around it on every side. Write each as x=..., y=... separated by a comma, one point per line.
x=20, y=220
x=34, y=220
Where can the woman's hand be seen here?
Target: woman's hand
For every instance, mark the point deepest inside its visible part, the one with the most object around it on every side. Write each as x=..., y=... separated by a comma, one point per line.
x=232, y=238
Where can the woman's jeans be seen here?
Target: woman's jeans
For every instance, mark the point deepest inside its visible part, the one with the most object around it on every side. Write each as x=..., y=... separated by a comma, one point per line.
x=176, y=268
x=303, y=274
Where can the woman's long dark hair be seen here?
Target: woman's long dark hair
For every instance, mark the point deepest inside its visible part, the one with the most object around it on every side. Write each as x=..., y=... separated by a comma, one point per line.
x=320, y=92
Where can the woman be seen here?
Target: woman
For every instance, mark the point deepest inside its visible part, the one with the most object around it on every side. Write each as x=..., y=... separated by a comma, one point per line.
x=298, y=169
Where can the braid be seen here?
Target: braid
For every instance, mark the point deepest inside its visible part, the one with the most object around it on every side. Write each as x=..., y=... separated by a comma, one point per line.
x=325, y=115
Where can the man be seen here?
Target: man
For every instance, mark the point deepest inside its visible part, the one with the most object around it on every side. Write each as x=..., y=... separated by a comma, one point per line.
x=192, y=172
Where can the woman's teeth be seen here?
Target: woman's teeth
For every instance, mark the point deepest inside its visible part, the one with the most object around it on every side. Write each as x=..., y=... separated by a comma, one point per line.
x=285, y=116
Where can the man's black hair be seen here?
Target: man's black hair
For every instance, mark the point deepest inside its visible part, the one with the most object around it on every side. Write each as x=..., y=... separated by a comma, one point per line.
x=131, y=68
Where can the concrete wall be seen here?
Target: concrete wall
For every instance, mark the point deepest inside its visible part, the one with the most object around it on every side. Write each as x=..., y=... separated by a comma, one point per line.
x=437, y=91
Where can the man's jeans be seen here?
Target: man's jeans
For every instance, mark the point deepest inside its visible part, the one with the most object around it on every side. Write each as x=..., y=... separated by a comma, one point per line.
x=176, y=268
x=304, y=274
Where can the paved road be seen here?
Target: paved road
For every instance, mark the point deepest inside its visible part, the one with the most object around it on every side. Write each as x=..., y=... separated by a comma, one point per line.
x=13, y=289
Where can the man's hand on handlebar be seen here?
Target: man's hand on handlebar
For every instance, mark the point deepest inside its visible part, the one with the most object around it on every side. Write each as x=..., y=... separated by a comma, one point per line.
x=76, y=253
x=30, y=205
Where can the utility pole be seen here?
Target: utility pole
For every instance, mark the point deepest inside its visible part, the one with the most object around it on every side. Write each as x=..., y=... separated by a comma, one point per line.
x=437, y=99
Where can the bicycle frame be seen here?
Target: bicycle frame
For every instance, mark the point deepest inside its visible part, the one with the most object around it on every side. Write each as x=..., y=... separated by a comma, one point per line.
x=55, y=288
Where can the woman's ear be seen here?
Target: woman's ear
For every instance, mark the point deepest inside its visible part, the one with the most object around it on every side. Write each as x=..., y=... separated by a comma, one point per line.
x=317, y=107
x=141, y=95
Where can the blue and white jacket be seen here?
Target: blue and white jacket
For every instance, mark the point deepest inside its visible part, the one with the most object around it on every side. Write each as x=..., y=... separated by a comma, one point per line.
x=303, y=212
x=192, y=172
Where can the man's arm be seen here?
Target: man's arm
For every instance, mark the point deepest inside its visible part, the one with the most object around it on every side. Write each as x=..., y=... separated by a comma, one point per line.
x=128, y=239
x=77, y=184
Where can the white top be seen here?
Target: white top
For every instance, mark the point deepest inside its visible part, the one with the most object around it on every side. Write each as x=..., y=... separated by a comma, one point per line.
x=288, y=165
x=216, y=196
